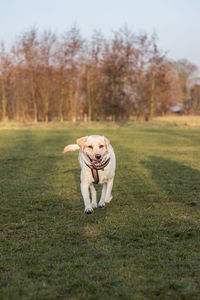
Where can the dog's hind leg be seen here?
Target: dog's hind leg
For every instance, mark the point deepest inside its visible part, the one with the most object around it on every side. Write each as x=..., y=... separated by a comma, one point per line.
x=94, y=195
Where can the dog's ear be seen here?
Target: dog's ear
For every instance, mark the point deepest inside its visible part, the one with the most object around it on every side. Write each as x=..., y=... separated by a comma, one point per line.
x=81, y=142
x=107, y=142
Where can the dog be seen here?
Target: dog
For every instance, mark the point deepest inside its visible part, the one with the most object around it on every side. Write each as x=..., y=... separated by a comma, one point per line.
x=98, y=162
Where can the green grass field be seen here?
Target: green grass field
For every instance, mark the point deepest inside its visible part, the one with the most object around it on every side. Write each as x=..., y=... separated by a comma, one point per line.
x=144, y=245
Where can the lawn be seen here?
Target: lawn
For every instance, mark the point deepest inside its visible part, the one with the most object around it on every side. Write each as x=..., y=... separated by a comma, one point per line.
x=144, y=245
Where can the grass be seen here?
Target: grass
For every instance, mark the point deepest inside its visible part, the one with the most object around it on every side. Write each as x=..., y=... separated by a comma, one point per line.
x=170, y=121
x=143, y=245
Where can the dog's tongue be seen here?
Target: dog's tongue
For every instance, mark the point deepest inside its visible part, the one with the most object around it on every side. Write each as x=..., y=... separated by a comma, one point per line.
x=95, y=162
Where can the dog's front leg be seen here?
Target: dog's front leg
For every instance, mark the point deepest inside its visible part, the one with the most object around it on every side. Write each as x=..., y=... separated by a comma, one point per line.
x=94, y=195
x=108, y=196
x=103, y=195
x=86, y=197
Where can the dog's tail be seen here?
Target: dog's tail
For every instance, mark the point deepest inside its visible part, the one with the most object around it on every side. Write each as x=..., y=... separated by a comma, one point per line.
x=72, y=147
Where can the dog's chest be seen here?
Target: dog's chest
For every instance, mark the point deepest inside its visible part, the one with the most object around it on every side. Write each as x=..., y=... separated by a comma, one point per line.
x=103, y=176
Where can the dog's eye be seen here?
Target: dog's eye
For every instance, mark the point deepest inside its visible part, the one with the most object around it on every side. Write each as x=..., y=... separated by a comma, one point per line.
x=101, y=146
x=90, y=146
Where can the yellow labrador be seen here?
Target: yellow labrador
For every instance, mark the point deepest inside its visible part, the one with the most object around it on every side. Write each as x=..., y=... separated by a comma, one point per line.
x=98, y=162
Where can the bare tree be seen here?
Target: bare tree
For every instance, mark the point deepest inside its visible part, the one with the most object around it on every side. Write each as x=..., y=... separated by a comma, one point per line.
x=5, y=73
x=45, y=77
x=72, y=46
x=195, y=99
x=92, y=76
x=47, y=45
x=184, y=69
x=27, y=51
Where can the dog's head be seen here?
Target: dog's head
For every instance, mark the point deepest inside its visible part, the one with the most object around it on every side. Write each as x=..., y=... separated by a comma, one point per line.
x=94, y=146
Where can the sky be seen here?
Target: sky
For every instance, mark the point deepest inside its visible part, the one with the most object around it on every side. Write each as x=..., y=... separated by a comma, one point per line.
x=176, y=22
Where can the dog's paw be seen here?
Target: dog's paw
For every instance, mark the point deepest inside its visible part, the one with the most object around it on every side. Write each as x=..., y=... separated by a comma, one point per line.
x=94, y=205
x=101, y=205
x=88, y=210
x=108, y=200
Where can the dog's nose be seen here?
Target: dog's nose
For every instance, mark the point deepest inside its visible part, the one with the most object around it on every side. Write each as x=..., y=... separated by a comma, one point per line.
x=97, y=156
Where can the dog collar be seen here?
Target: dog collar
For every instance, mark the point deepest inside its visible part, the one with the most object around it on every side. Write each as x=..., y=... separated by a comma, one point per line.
x=94, y=169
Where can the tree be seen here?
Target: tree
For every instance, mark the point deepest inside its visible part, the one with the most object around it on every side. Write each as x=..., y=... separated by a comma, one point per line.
x=92, y=79
x=5, y=73
x=114, y=71
x=45, y=77
x=27, y=52
x=195, y=99
x=46, y=53
x=72, y=46
x=184, y=69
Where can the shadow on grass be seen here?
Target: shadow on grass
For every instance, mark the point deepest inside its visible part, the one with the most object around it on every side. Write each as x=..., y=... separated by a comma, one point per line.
x=37, y=224
x=51, y=249
x=180, y=182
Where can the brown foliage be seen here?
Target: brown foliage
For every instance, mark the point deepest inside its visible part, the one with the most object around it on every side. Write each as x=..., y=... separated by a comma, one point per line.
x=45, y=78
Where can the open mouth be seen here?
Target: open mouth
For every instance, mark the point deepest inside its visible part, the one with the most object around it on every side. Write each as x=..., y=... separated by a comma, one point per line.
x=95, y=162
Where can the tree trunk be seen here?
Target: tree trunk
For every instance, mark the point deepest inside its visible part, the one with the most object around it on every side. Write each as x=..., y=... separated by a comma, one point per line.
x=4, y=104
x=35, y=113
x=89, y=99
x=61, y=117
x=152, y=102
x=46, y=116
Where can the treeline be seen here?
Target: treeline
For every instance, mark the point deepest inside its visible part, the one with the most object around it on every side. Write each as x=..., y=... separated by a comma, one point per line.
x=45, y=77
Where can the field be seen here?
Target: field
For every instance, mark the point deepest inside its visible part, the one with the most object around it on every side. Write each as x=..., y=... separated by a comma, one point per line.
x=144, y=245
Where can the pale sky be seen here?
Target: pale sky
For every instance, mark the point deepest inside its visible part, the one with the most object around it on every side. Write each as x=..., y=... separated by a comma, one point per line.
x=176, y=22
